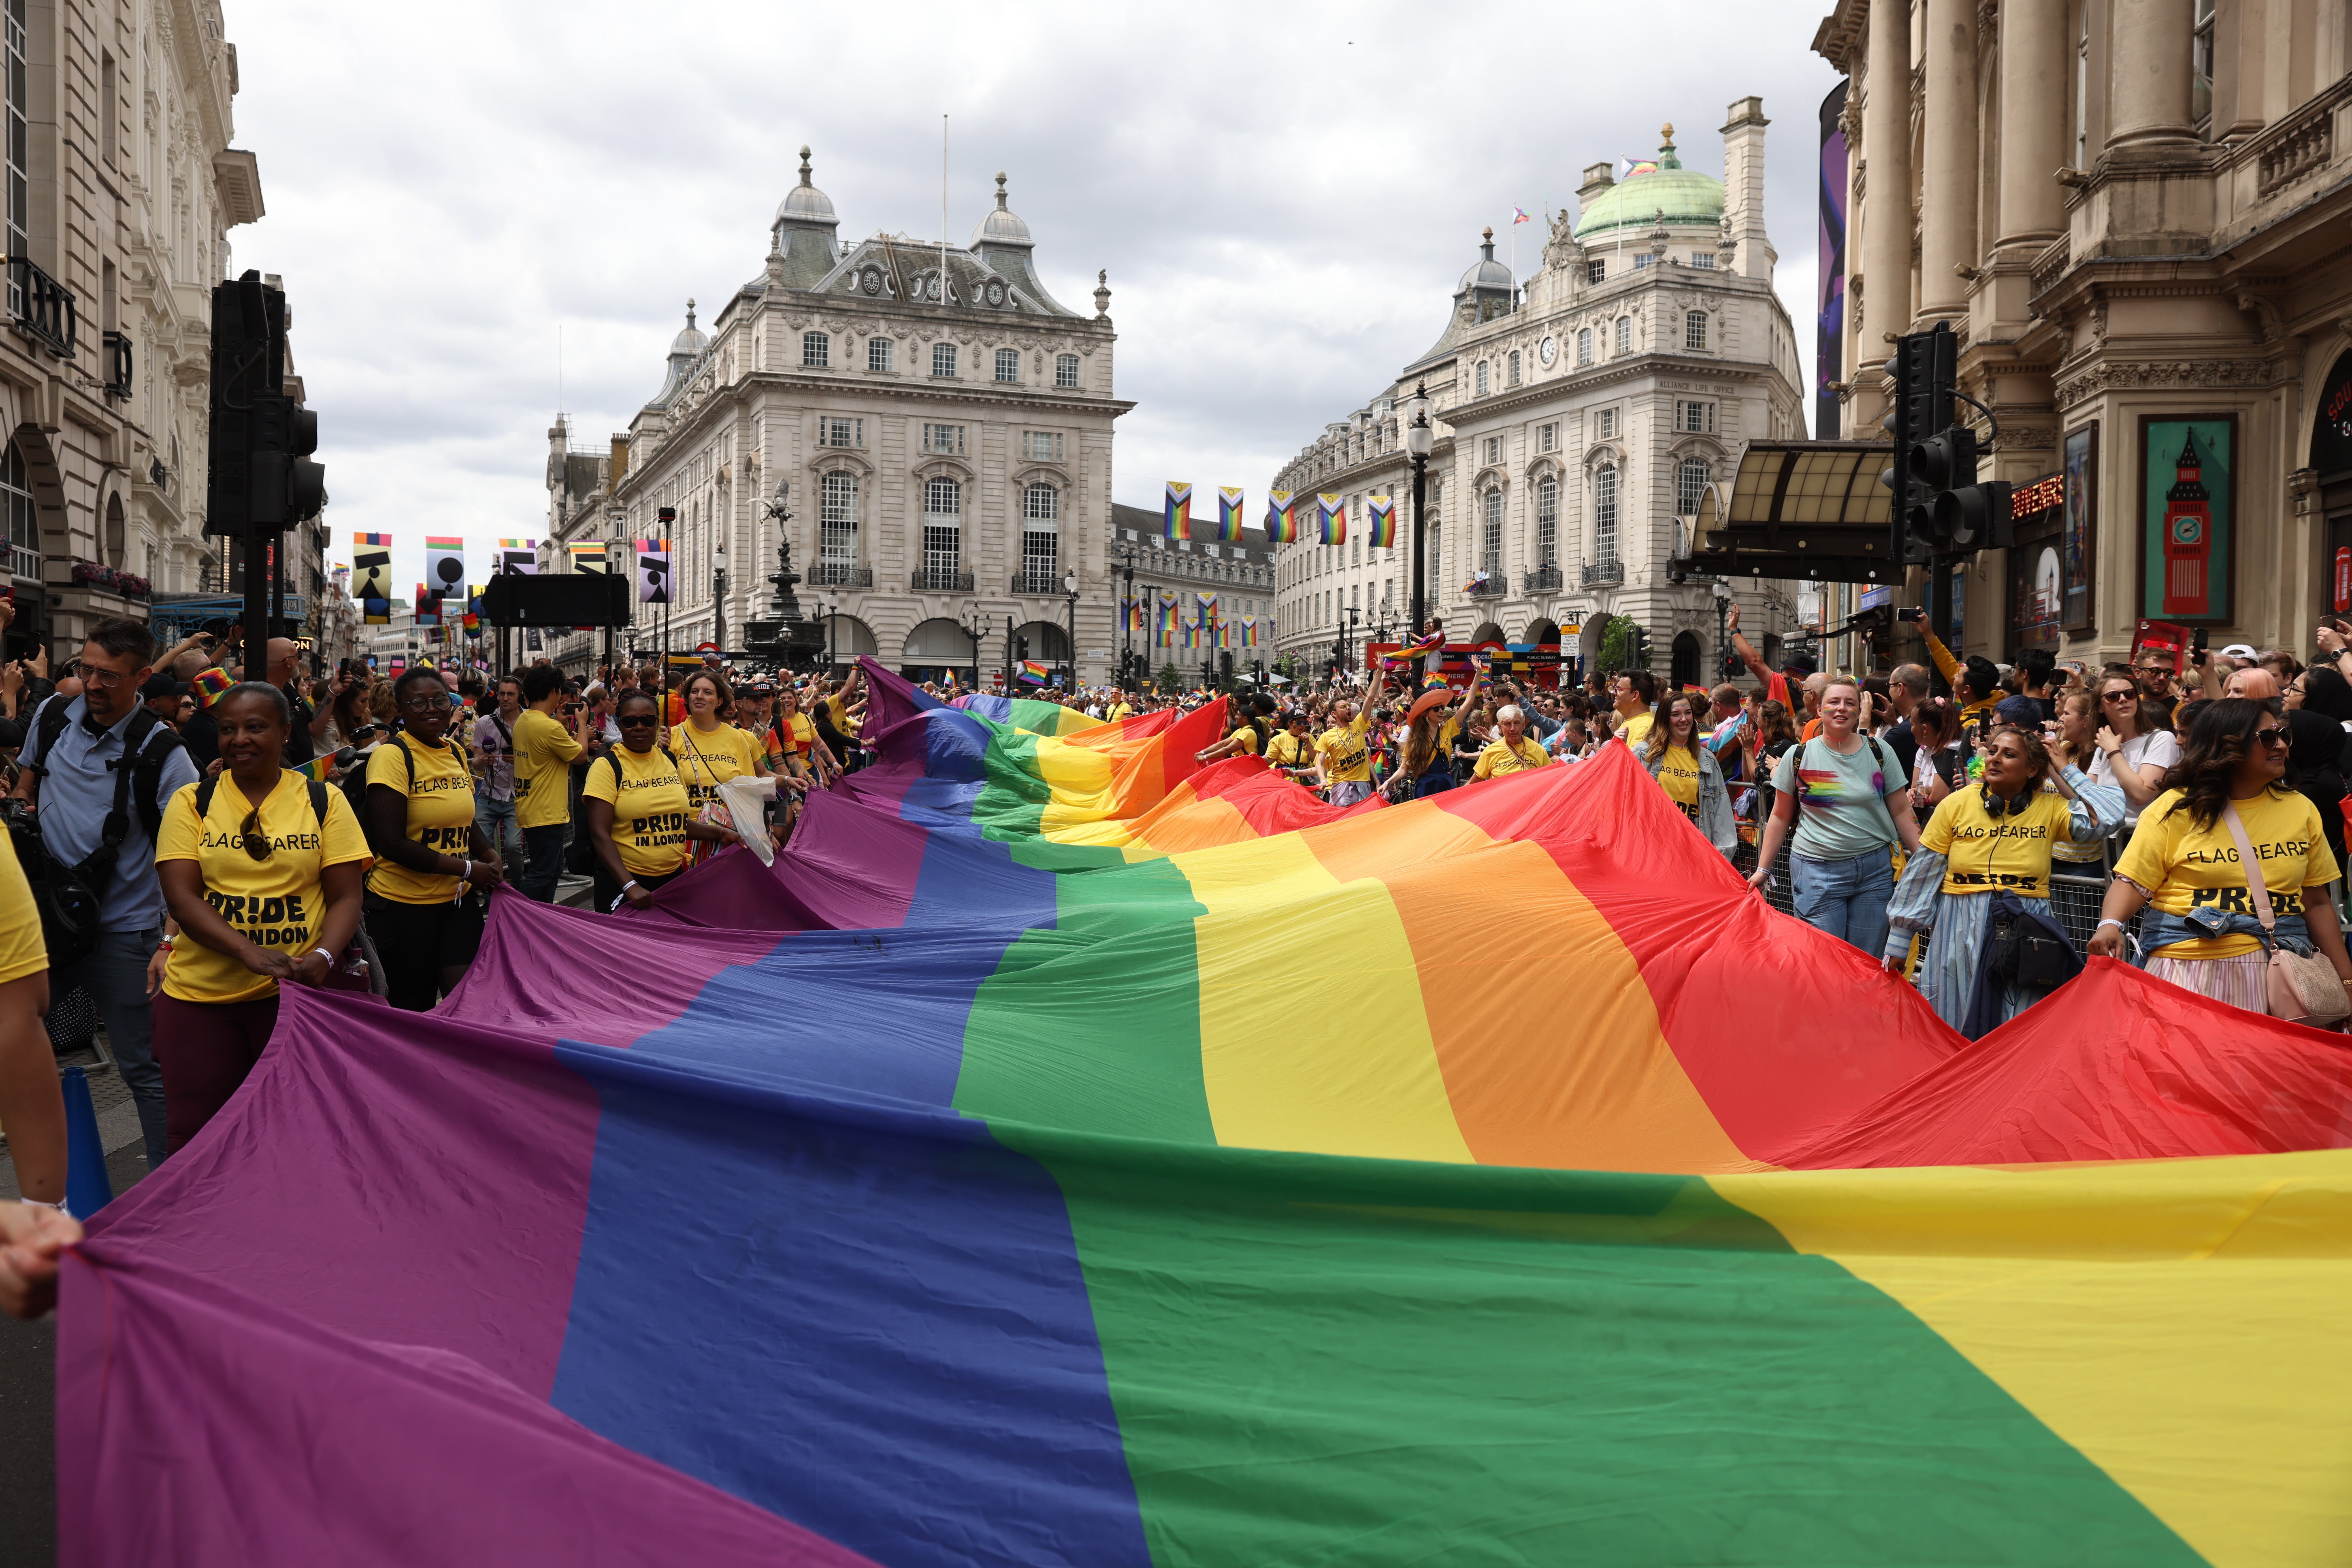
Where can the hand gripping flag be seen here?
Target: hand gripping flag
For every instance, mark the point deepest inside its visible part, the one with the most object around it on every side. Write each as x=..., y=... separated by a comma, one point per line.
x=1281, y=518
x=1229, y=514
x=1177, y=517
x=1332, y=519
x=1379, y=517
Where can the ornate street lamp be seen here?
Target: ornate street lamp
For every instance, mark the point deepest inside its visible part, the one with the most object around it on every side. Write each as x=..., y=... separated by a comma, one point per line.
x=1070, y=673
x=1420, y=436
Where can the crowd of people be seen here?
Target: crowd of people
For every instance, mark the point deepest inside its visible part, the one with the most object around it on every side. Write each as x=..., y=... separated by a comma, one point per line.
x=183, y=844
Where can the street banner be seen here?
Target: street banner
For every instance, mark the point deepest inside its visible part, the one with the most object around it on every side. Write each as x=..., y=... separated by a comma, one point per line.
x=444, y=565
x=653, y=571
x=1135, y=615
x=519, y=557
x=1176, y=519
x=589, y=555
x=1249, y=631
x=1330, y=519
x=1281, y=518
x=1379, y=521
x=1229, y=514
x=1168, y=623
x=371, y=567
x=426, y=610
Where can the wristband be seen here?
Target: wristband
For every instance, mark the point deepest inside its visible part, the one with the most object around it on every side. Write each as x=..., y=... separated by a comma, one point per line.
x=164, y=945
x=2118, y=924
x=468, y=874
x=322, y=952
x=628, y=885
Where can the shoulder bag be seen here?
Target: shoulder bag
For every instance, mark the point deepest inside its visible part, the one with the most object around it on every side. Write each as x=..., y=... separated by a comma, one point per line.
x=2303, y=989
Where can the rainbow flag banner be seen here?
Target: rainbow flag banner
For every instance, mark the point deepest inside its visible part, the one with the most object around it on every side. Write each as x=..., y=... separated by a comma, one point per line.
x=1229, y=514
x=1379, y=521
x=1281, y=518
x=1036, y=671
x=1177, y=519
x=1331, y=520
x=1167, y=623
x=1067, y=1238
x=1249, y=631
x=1134, y=612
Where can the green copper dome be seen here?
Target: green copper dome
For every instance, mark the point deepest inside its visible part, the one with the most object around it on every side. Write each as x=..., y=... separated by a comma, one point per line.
x=1632, y=205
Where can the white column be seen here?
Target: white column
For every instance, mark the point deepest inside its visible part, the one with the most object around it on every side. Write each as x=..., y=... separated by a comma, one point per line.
x=1949, y=154
x=2035, y=63
x=2148, y=45
x=1884, y=212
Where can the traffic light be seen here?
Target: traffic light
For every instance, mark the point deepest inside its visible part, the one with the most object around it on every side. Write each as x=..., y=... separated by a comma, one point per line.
x=1225, y=666
x=1925, y=366
x=1019, y=649
x=1640, y=651
x=1963, y=514
x=259, y=473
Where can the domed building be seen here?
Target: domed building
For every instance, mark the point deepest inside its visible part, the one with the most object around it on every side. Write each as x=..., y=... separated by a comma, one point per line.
x=924, y=422
x=1581, y=419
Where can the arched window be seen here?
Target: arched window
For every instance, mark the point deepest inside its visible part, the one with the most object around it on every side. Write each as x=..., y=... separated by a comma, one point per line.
x=942, y=534
x=1490, y=540
x=1584, y=346
x=837, y=524
x=1694, y=330
x=1041, y=513
x=1515, y=367
x=1604, y=514
x=1548, y=521
x=1690, y=484
x=1482, y=378
x=23, y=530
x=1624, y=335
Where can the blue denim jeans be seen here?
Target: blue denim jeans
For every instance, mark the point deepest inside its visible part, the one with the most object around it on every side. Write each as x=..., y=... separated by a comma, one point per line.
x=1846, y=899
x=542, y=856
x=115, y=975
x=495, y=818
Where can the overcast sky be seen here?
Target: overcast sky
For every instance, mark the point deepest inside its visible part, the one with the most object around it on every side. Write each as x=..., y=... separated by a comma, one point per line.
x=1284, y=196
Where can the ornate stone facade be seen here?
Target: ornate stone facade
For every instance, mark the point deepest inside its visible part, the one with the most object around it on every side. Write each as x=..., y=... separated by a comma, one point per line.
x=941, y=423
x=2132, y=213
x=1578, y=420
x=130, y=188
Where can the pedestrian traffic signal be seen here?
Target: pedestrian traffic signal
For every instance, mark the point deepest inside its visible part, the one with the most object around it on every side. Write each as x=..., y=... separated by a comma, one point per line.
x=1925, y=366
x=259, y=473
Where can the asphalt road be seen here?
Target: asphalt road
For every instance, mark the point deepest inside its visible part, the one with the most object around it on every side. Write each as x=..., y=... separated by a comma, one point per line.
x=29, y=1519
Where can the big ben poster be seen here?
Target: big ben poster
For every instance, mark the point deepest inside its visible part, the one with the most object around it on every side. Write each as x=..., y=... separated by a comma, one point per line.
x=2187, y=519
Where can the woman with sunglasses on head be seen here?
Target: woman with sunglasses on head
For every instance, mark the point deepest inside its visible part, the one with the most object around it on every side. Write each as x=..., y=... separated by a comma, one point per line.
x=423, y=903
x=710, y=749
x=1687, y=770
x=1994, y=837
x=2202, y=931
x=2135, y=750
x=635, y=804
x=260, y=868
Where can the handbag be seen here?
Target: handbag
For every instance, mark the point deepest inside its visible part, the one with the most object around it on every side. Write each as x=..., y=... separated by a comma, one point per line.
x=2303, y=989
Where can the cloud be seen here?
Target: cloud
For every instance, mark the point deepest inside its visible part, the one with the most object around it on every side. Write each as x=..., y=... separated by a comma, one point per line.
x=1284, y=197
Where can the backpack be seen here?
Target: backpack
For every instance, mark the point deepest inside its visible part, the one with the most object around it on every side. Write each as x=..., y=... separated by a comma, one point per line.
x=69, y=899
x=354, y=786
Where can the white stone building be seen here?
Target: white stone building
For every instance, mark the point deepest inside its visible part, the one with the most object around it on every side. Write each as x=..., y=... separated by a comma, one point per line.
x=121, y=189
x=1155, y=568
x=1578, y=420
x=943, y=425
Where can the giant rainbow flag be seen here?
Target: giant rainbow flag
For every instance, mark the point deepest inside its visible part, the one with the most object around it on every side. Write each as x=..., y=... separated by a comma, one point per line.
x=1065, y=1153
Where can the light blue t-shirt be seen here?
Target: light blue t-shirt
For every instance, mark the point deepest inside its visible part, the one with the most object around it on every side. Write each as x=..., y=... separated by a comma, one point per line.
x=1842, y=812
x=77, y=791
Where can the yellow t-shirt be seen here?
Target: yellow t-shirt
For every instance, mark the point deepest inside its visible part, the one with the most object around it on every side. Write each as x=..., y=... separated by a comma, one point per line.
x=1248, y=737
x=2192, y=868
x=279, y=902
x=1346, y=758
x=1985, y=854
x=22, y=950
x=802, y=730
x=1638, y=728
x=440, y=815
x=1679, y=774
x=543, y=750
x=1289, y=751
x=1121, y=711
x=1500, y=757
x=837, y=707
x=706, y=759
x=649, y=809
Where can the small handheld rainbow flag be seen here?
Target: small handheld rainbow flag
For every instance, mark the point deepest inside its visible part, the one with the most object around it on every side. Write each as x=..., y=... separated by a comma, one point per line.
x=1413, y=650
x=1332, y=519
x=1177, y=519
x=316, y=769
x=1380, y=516
x=1281, y=518
x=1036, y=671
x=1229, y=514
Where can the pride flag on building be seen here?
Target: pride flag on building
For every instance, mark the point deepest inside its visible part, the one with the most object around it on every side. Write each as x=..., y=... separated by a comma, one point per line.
x=1177, y=516
x=1281, y=518
x=1168, y=623
x=1332, y=519
x=1248, y=624
x=1379, y=517
x=1135, y=615
x=1229, y=514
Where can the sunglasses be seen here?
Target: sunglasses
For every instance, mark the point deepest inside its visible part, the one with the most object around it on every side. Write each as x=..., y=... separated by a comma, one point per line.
x=2118, y=696
x=2271, y=737
x=256, y=842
